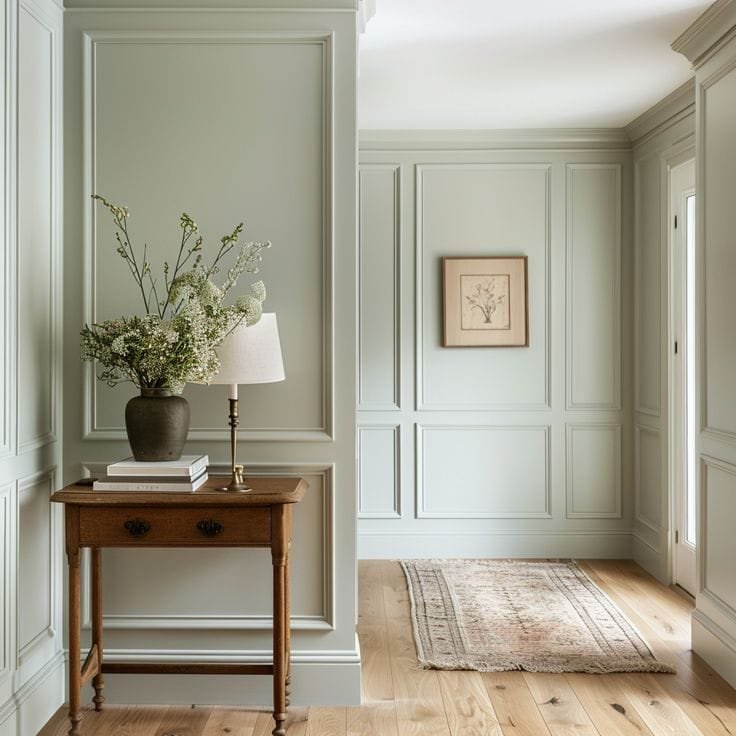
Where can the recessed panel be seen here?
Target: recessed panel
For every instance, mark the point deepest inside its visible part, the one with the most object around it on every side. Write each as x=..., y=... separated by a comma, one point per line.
x=379, y=471
x=212, y=583
x=719, y=263
x=649, y=276
x=593, y=285
x=649, y=478
x=379, y=240
x=34, y=553
x=35, y=234
x=720, y=541
x=249, y=148
x=483, y=472
x=594, y=471
x=482, y=210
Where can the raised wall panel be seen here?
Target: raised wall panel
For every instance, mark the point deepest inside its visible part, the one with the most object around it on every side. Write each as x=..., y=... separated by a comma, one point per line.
x=380, y=472
x=593, y=471
x=268, y=164
x=482, y=210
x=35, y=536
x=648, y=477
x=379, y=382
x=719, y=261
x=718, y=506
x=158, y=600
x=483, y=472
x=593, y=267
x=648, y=285
x=36, y=236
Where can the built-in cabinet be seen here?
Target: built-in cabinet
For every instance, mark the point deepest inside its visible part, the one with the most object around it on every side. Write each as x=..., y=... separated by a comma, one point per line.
x=31, y=653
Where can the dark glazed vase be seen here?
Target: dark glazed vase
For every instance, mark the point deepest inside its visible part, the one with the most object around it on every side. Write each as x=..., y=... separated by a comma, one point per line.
x=157, y=423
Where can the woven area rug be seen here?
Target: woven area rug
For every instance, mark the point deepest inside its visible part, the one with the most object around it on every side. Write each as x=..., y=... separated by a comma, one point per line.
x=497, y=615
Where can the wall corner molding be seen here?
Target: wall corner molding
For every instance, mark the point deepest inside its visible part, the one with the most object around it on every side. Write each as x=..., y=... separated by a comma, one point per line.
x=676, y=106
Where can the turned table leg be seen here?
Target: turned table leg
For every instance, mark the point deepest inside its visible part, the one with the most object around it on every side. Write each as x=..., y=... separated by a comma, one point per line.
x=287, y=623
x=75, y=665
x=98, y=681
x=279, y=553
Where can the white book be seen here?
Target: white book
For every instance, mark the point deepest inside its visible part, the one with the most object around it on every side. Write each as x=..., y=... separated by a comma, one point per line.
x=148, y=485
x=186, y=466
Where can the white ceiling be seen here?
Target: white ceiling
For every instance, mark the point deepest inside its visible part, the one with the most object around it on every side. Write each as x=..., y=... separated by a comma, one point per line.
x=459, y=64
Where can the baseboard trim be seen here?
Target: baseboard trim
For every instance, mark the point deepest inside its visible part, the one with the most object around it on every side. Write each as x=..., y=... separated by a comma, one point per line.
x=36, y=701
x=651, y=559
x=319, y=677
x=384, y=545
x=715, y=645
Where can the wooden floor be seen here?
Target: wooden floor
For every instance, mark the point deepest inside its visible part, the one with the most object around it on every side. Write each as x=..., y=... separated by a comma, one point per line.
x=400, y=698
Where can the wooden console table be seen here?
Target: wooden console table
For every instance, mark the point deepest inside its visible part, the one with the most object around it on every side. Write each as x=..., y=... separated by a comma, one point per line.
x=205, y=518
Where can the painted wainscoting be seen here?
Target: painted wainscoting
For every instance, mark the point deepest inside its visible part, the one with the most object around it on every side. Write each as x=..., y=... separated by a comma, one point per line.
x=31, y=655
x=496, y=451
x=242, y=114
x=709, y=44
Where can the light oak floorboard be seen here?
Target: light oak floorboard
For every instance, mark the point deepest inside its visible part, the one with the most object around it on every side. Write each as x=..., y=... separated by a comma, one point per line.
x=230, y=722
x=514, y=705
x=400, y=698
x=327, y=722
x=561, y=710
x=467, y=705
x=420, y=710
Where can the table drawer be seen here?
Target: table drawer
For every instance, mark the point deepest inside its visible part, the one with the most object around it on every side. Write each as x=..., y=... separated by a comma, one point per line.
x=150, y=526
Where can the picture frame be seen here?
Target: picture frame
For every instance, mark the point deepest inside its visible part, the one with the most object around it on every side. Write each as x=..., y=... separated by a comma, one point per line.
x=485, y=301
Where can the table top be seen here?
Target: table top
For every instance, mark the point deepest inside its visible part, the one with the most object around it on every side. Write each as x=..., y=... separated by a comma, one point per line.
x=267, y=491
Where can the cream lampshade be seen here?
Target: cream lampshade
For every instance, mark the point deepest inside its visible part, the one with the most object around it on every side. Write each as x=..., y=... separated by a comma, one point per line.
x=249, y=354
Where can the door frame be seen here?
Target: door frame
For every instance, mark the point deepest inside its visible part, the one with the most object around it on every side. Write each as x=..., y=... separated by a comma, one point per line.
x=677, y=156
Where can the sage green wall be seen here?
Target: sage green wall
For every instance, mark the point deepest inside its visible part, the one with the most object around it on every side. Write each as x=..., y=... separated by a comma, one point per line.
x=31, y=655
x=709, y=44
x=246, y=114
x=496, y=451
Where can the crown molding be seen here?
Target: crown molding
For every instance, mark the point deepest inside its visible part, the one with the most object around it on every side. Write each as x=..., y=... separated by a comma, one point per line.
x=475, y=140
x=677, y=105
x=366, y=10
x=710, y=30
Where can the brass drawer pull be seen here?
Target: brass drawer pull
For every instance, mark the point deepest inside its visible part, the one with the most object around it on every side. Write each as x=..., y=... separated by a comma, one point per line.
x=137, y=527
x=210, y=527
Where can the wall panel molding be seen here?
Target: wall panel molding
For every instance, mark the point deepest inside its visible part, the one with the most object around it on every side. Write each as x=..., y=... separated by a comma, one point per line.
x=421, y=336
x=44, y=20
x=609, y=397
x=422, y=512
x=40, y=482
x=92, y=430
x=613, y=500
x=706, y=537
x=639, y=515
x=394, y=512
x=369, y=295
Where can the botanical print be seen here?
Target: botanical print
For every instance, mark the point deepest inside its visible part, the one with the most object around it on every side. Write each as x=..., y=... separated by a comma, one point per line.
x=484, y=302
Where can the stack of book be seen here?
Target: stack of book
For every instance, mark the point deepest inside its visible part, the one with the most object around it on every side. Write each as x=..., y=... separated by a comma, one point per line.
x=187, y=473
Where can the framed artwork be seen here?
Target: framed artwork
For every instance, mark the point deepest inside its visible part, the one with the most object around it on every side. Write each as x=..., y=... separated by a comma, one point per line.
x=485, y=301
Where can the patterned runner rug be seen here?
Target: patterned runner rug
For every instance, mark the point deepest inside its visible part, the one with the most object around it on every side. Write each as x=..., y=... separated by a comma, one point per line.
x=496, y=615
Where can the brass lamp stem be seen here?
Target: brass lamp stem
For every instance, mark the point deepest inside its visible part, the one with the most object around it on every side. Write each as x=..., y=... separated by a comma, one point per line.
x=237, y=484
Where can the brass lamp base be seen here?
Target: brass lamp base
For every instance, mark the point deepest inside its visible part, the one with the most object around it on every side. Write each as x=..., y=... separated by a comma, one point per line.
x=237, y=484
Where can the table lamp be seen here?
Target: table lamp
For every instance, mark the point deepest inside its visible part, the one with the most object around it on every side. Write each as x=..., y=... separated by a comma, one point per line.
x=249, y=354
